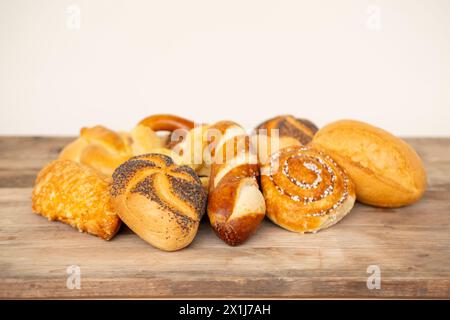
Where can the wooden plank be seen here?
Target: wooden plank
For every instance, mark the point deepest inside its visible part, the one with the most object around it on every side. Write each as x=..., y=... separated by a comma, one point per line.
x=21, y=158
x=410, y=245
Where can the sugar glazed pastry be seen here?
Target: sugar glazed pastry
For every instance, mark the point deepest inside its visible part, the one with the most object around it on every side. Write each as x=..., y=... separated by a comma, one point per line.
x=236, y=206
x=305, y=190
x=159, y=200
x=75, y=194
x=387, y=172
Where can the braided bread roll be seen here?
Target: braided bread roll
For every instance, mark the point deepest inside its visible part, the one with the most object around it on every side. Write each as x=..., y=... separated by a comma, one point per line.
x=159, y=200
x=104, y=149
x=305, y=190
x=236, y=206
x=100, y=148
x=75, y=194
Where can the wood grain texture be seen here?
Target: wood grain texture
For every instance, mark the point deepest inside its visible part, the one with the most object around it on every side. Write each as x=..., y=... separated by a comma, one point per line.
x=410, y=245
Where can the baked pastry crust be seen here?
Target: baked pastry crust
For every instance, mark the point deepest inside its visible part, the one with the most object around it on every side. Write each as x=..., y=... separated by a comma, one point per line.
x=387, y=172
x=75, y=194
x=100, y=148
x=160, y=201
x=305, y=190
x=292, y=131
x=236, y=206
x=104, y=149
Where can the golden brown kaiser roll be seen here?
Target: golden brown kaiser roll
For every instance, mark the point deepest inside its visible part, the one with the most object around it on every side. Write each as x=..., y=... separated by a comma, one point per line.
x=236, y=206
x=305, y=190
x=386, y=171
x=159, y=200
x=77, y=195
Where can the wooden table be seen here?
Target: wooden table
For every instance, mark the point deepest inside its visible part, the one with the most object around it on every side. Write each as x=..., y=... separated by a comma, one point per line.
x=411, y=246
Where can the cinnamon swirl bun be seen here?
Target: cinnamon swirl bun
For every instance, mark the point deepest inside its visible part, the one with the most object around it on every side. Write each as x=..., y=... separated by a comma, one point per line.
x=305, y=190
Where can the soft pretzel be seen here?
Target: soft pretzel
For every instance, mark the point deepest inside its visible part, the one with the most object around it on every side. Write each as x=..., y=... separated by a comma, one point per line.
x=305, y=190
x=160, y=201
x=77, y=195
x=166, y=122
x=235, y=204
x=145, y=136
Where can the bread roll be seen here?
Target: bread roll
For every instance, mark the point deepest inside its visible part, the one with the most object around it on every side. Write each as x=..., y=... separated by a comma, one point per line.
x=159, y=200
x=99, y=148
x=104, y=149
x=145, y=140
x=387, y=172
x=190, y=148
x=195, y=147
x=77, y=195
x=305, y=190
x=236, y=206
x=291, y=131
x=281, y=132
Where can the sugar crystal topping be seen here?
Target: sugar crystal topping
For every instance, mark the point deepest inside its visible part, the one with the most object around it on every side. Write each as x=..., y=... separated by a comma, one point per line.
x=309, y=162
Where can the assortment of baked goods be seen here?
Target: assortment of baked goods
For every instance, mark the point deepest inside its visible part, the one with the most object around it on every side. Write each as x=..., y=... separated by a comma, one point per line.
x=161, y=177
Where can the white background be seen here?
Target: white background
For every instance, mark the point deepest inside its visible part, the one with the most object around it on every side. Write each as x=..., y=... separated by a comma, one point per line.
x=384, y=62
